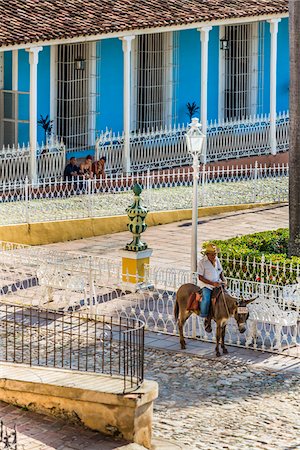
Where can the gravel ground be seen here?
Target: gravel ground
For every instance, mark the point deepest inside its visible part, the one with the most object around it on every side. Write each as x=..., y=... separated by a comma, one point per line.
x=207, y=404
x=165, y=198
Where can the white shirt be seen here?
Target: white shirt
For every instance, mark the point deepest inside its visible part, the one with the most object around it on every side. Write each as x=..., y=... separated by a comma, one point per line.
x=209, y=271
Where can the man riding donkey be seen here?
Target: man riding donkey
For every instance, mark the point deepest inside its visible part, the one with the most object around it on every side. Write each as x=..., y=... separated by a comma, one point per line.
x=210, y=274
x=215, y=302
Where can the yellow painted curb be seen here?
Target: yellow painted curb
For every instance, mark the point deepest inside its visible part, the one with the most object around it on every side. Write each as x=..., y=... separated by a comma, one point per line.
x=40, y=233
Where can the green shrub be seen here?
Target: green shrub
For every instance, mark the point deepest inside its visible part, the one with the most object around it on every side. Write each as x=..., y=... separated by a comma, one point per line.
x=243, y=255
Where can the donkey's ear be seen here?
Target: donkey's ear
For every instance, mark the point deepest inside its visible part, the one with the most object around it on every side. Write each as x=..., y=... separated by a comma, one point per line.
x=251, y=300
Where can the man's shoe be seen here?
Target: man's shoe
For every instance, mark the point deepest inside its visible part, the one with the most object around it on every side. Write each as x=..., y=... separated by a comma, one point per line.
x=207, y=325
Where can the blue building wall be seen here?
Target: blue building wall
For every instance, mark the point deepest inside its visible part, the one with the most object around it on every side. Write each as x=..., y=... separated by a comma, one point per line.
x=43, y=93
x=190, y=72
x=283, y=74
x=23, y=85
x=283, y=66
x=111, y=83
x=7, y=70
x=43, y=106
x=213, y=74
x=111, y=86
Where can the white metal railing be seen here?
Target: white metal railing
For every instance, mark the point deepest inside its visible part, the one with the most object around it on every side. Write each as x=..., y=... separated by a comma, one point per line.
x=15, y=161
x=167, y=148
x=73, y=281
x=261, y=270
x=49, y=200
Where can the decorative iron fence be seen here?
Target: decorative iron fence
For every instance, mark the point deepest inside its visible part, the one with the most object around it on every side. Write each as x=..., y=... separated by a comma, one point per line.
x=73, y=341
x=260, y=270
x=168, y=190
x=167, y=147
x=8, y=437
x=70, y=284
x=15, y=162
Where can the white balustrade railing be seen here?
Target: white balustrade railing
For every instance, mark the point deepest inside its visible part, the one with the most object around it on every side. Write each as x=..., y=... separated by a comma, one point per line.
x=261, y=270
x=80, y=282
x=48, y=200
x=167, y=148
x=15, y=161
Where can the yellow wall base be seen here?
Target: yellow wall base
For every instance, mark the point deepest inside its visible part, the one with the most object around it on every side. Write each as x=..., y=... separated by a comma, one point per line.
x=67, y=230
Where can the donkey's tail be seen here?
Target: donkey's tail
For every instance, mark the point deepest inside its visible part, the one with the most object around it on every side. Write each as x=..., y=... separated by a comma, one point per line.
x=176, y=309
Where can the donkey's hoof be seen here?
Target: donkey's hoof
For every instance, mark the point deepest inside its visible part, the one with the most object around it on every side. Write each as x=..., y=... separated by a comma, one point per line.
x=183, y=346
x=218, y=354
x=225, y=351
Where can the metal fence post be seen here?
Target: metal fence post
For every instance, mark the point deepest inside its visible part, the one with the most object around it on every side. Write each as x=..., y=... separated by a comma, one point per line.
x=255, y=176
x=203, y=185
x=89, y=196
x=26, y=188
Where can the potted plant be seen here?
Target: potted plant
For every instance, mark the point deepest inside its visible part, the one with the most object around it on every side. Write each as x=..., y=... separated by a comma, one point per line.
x=192, y=109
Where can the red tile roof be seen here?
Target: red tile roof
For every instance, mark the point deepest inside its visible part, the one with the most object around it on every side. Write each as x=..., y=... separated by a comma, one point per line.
x=26, y=21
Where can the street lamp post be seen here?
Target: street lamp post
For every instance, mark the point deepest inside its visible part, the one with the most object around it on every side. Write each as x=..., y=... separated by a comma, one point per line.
x=194, y=141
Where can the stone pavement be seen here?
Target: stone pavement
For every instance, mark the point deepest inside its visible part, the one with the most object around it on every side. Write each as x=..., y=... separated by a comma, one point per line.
x=220, y=404
x=237, y=355
x=39, y=432
x=171, y=243
x=245, y=400
x=204, y=403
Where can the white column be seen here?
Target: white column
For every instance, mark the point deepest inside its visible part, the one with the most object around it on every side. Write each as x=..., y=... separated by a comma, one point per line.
x=273, y=82
x=15, y=86
x=53, y=87
x=33, y=61
x=194, y=252
x=204, y=37
x=15, y=70
x=126, y=45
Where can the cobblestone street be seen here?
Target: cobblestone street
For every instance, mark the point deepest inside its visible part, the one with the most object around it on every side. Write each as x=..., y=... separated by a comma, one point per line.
x=204, y=403
x=210, y=404
x=235, y=402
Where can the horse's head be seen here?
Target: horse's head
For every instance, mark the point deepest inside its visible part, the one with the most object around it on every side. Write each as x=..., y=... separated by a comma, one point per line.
x=241, y=313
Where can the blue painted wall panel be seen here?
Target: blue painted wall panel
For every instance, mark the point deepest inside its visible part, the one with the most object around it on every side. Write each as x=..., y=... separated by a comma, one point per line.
x=189, y=72
x=283, y=66
x=43, y=106
x=24, y=85
x=23, y=130
x=8, y=70
x=43, y=91
x=23, y=71
x=213, y=74
x=111, y=85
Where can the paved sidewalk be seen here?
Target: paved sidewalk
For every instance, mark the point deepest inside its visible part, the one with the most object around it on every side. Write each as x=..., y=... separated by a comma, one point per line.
x=237, y=355
x=171, y=243
x=40, y=432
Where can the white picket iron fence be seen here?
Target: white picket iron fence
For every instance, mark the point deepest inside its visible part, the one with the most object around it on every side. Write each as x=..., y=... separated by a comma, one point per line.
x=49, y=200
x=80, y=282
x=15, y=161
x=166, y=147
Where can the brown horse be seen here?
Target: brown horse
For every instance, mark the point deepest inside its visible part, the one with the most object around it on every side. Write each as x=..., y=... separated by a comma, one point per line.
x=222, y=308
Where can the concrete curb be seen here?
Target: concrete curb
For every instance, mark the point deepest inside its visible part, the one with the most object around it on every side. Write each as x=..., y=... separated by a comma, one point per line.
x=40, y=233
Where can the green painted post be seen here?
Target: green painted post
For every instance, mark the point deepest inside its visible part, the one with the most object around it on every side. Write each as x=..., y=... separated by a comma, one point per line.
x=137, y=215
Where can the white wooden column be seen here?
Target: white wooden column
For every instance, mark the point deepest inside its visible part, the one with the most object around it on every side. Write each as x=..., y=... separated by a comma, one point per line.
x=33, y=61
x=204, y=38
x=126, y=45
x=15, y=86
x=273, y=83
x=53, y=88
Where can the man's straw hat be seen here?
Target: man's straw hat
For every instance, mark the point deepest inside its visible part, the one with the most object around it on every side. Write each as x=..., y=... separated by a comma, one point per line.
x=210, y=248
